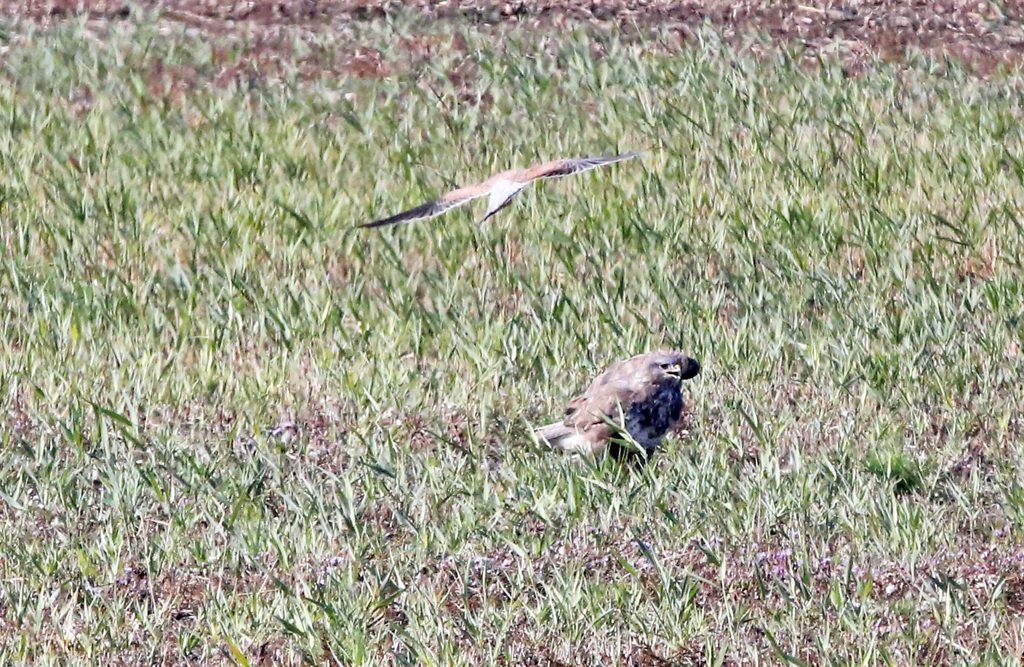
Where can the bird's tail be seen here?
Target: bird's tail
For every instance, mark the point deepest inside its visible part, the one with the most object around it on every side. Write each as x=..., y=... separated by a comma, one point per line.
x=561, y=437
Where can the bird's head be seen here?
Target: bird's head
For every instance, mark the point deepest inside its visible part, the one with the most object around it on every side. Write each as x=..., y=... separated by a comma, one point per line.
x=671, y=366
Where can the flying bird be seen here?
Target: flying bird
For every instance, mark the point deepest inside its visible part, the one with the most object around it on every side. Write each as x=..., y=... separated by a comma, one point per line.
x=499, y=189
x=640, y=396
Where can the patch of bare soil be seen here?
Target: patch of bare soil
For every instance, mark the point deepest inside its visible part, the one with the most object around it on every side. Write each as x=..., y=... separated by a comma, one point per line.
x=984, y=34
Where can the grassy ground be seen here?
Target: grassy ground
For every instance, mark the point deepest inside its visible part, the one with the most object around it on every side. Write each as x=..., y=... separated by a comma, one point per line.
x=236, y=429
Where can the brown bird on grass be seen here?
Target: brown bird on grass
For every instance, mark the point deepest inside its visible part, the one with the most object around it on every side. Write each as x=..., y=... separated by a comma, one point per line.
x=641, y=396
x=500, y=189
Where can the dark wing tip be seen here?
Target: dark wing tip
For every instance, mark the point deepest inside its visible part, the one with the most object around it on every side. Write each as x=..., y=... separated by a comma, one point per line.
x=625, y=156
x=423, y=211
x=578, y=164
x=605, y=159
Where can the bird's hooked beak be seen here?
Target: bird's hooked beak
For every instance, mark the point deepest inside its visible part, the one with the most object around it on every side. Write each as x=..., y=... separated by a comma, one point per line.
x=684, y=370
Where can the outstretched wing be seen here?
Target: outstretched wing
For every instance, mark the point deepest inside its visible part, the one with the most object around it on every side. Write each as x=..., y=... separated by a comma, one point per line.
x=574, y=165
x=433, y=209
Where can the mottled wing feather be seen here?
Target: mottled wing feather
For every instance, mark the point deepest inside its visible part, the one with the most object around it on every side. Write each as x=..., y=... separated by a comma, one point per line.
x=612, y=391
x=574, y=406
x=617, y=388
x=596, y=414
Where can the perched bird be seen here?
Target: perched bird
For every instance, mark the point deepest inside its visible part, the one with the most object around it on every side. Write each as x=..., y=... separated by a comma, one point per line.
x=641, y=396
x=500, y=189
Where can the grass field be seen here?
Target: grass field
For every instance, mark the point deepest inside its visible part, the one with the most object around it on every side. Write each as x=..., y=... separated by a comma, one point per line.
x=236, y=429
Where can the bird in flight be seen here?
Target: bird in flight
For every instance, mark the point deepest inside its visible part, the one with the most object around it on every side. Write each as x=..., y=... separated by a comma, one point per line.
x=640, y=396
x=499, y=189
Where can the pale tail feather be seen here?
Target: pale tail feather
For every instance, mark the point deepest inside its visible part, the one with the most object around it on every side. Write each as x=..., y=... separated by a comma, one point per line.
x=562, y=438
x=501, y=196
